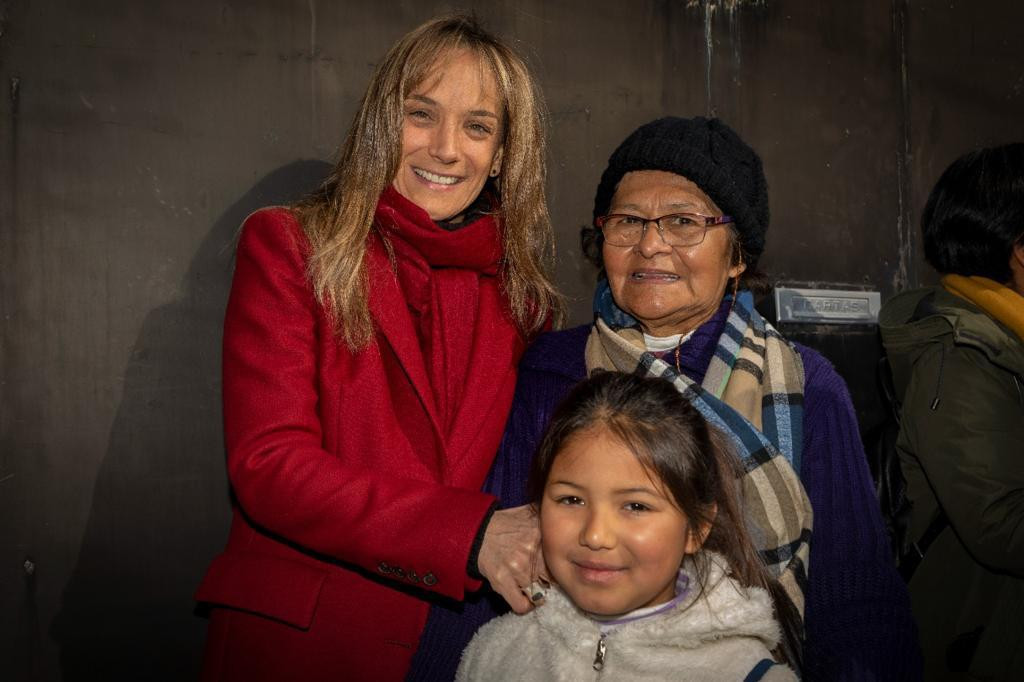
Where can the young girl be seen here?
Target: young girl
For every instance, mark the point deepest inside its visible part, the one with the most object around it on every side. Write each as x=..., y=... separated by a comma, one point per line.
x=655, y=575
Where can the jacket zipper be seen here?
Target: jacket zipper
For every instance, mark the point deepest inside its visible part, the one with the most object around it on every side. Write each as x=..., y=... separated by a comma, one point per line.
x=599, y=657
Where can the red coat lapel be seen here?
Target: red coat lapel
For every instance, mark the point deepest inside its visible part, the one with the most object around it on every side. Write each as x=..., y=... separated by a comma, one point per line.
x=489, y=387
x=391, y=314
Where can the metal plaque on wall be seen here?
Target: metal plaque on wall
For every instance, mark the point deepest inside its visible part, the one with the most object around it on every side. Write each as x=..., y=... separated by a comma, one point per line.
x=827, y=306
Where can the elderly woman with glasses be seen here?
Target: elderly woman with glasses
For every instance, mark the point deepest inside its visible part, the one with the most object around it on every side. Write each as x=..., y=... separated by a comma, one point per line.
x=680, y=217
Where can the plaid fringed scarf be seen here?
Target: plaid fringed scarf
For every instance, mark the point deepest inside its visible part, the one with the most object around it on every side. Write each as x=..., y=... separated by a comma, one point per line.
x=753, y=393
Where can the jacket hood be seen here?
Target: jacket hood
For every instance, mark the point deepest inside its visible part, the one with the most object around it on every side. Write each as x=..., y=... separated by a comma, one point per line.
x=912, y=321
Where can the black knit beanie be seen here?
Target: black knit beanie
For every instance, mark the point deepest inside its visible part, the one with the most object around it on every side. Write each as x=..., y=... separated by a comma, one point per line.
x=709, y=153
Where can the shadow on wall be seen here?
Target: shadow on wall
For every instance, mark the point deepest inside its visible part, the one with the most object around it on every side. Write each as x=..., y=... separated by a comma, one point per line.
x=160, y=507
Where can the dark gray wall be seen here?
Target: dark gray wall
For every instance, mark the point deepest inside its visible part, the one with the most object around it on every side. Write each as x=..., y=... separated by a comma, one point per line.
x=135, y=137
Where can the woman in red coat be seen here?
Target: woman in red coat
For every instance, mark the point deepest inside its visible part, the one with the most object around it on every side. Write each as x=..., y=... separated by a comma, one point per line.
x=370, y=348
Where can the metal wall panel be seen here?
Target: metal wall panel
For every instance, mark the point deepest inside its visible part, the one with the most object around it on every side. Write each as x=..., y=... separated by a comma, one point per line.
x=137, y=136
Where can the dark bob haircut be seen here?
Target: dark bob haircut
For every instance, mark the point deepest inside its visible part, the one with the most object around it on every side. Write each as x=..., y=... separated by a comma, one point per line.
x=975, y=214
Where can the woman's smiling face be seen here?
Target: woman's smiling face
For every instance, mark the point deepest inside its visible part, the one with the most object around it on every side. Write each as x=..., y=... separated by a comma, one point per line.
x=451, y=136
x=669, y=290
x=612, y=537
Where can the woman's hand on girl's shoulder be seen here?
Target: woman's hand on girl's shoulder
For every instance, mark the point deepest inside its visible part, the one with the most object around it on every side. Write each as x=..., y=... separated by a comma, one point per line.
x=510, y=556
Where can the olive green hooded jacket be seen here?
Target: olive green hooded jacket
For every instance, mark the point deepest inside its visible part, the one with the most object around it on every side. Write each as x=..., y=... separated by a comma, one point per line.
x=959, y=375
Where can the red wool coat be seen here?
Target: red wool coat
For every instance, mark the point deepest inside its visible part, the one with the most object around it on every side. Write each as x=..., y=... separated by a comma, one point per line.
x=351, y=502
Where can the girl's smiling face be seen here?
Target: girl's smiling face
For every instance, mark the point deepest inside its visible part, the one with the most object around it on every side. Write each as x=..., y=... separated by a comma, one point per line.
x=612, y=536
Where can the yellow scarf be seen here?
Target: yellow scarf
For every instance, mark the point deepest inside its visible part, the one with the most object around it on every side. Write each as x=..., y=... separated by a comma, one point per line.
x=1001, y=302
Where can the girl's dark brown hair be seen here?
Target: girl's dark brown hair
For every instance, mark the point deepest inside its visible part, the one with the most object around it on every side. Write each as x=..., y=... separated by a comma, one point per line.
x=691, y=459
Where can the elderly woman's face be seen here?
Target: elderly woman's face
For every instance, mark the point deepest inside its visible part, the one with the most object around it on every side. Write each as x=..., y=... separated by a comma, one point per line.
x=451, y=136
x=670, y=290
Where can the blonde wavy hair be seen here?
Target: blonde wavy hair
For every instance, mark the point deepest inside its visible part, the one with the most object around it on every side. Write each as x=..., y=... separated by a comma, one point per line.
x=338, y=217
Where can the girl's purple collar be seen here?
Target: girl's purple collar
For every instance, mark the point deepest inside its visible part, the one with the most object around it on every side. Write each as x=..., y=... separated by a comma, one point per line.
x=682, y=589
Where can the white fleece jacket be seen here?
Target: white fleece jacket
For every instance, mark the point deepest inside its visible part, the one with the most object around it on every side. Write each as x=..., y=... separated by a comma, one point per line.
x=717, y=636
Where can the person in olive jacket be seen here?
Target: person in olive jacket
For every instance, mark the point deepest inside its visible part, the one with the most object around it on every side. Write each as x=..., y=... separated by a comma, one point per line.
x=957, y=357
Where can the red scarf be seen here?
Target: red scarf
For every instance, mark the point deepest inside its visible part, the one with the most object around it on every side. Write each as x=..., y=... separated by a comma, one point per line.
x=466, y=340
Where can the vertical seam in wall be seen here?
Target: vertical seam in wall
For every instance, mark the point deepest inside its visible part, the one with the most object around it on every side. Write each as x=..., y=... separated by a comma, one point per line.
x=668, y=57
x=902, y=279
x=312, y=73
x=709, y=11
x=11, y=221
x=15, y=95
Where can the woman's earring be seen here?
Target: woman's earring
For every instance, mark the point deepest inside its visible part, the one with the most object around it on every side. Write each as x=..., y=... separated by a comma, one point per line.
x=736, y=279
x=494, y=172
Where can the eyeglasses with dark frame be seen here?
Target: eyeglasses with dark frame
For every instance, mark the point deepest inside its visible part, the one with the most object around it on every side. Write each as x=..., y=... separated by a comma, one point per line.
x=676, y=229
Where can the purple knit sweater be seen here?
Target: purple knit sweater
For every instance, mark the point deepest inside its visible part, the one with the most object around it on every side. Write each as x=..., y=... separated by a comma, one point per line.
x=857, y=613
